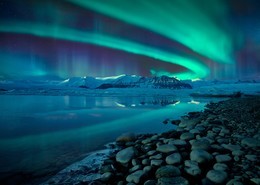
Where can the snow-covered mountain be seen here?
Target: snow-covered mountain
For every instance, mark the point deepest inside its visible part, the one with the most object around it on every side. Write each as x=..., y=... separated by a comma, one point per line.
x=126, y=81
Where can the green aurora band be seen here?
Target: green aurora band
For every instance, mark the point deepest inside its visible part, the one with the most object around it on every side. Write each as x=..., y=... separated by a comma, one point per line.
x=204, y=30
x=197, y=69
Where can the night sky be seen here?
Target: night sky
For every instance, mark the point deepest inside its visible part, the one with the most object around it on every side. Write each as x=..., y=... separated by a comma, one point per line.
x=207, y=39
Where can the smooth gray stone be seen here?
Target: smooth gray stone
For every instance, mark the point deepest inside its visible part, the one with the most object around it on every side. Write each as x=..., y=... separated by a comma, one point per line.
x=125, y=155
x=217, y=176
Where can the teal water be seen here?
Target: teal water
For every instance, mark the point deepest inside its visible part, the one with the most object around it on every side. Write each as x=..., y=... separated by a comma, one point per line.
x=40, y=135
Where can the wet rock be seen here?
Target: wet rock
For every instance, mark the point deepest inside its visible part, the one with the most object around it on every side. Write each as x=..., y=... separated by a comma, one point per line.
x=217, y=176
x=255, y=180
x=147, y=140
x=136, y=177
x=135, y=162
x=173, y=181
x=192, y=141
x=125, y=155
x=173, y=158
x=189, y=163
x=231, y=147
x=237, y=153
x=129, y=144
x=178, y=142
x=223, y=141
x=147, y=169
x=150, y=182
x=200, y=156
x=158, y=156
x=126, y=137
x=250, y=142
x=167, y=171
x=193, y=171
x=192, y=168
x=202, y=144
x=220, y=167
x=184, y=122
x=187, y=136
x=166, y=121
x=200, y=127
x=106, y=176
x=145, y=161
x=217, y=148
x=224, y=131
x=135, y=168
x=206, y=181
x=120, y=183
x=152, y=152
x=156, y=162
x=175, y=122
x=166, y=148
x=194, y=131
x=106, y=168
x=251, y=157
x=223, y=158
x=236, y=158
x=179, y=129
x=234, y=182
x=211, y=134
x=216, y=129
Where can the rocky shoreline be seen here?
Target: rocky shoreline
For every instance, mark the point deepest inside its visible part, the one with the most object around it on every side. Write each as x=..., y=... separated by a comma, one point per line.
x=218, y=146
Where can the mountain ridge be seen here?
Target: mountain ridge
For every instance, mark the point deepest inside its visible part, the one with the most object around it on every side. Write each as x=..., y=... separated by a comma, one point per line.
x=126, y=81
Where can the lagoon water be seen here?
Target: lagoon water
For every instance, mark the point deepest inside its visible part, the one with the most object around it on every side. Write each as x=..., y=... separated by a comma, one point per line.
x=40, y=135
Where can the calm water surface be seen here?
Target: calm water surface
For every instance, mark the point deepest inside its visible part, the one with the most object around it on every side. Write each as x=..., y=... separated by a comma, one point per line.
x=40, y=135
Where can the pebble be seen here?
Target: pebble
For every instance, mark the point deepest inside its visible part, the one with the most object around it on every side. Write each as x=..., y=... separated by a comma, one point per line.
x=173, y=181
x=106, y=176
x=216, y=129
x=173, y=159
x=234, y=182
x=200, y=156
x=187, y=136
x=150, y=182
x=231, y=147
x=237, y=153
x=194, y=131
x=202, y=144
x=223, y=158
x=193, y=171
x=251, y=157
x=167, y=171
x=145, y=161
x=158, y=156
x=120, y=183
x=255, y=180
x=166, y=148
x=135, y=177
x=236, y=158
x=250, y=142
x=135, y=168
x=217, y=176
x=189, y=163
x=220, y=167
x=126, y=137
x=178, y=142
x=135, y=162
x=156, y=162
x=152, y=152
x=125, y=155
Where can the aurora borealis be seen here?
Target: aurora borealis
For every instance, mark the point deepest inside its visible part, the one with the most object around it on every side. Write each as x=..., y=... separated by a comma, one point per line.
x=185, y=38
